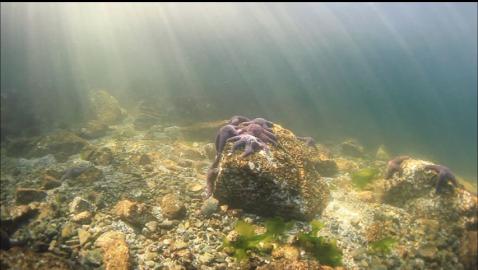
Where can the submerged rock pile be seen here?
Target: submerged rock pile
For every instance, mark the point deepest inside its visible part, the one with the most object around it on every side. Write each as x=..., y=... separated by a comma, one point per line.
x=126, y=198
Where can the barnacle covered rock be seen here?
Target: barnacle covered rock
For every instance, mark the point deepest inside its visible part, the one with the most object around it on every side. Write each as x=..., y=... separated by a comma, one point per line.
x=282, y=181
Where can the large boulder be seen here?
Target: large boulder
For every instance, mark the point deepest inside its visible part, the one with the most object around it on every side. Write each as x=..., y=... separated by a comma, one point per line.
x=282, y=182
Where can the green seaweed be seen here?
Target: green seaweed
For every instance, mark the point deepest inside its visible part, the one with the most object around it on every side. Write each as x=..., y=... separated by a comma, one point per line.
x=364, y=176
x=323, y=249
x=384, y=245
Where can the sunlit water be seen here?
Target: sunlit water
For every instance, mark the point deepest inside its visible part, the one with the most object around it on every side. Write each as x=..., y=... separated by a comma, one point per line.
x=402, y=75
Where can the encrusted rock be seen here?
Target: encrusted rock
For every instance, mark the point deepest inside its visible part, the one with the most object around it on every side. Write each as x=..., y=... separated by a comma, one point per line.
x=172, y=207
x=115, y=250
x=283, y=182
x=28, y=195
x=79, y=205
x=82, y=217
x=132, y=212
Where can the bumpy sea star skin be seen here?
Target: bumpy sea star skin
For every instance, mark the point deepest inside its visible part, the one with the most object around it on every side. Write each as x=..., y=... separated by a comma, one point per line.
x=261, y=122
x=309, y=141
x=238, y=119
x=226, y=132
x=444, y=175
x=394, y=166
x=264, y=134
x=251, y=144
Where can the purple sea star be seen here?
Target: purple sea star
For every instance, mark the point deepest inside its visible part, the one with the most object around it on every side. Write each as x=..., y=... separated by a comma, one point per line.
x=264, y=134
x=238, y=119
x=251, y=143
x=261, y=122
x=444, y=175
x=226, y=132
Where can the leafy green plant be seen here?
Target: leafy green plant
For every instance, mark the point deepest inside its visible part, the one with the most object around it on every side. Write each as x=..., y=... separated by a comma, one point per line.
x=364, y=176
x=323, y=249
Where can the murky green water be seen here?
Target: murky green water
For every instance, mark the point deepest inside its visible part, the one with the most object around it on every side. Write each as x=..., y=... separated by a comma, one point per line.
x=402, y=75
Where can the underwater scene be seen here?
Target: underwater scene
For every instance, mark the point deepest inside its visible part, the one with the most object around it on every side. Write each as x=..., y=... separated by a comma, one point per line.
x=238, y=136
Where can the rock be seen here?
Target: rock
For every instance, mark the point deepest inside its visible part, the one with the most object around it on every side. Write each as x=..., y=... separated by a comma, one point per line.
x=191, y=153
x=468, y=250
x=79, y=205
x=151, y=226
x=205, y=258
x=326, y=167
x=93, y=257
x=61, y=144
x=90, y=175
x=68, y=230
x=427, y=252
x=115, y=250
x=382, y=153
x=50, y=184
x=82, y=217
x=352, y=148
x=345, y=165
x=93, y=129
x=83, y=236
x=106, y=107
x=102, y=156
x=28, y=195
x=132, y=212
x=286, y=251
x=26, y=258
x=196, y=187
x=283, y=183
x=209, y=207
x=172, y=207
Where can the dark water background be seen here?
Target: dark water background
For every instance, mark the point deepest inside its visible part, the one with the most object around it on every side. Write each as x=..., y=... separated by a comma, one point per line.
x=402, y=75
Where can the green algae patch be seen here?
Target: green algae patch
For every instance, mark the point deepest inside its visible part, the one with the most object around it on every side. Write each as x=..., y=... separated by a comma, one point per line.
x=323, y=249
x=384, y=245
x=364, y=176
x=247, y=239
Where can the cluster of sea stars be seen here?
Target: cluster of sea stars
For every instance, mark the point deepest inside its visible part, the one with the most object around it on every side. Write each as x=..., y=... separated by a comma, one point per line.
x=253, y=135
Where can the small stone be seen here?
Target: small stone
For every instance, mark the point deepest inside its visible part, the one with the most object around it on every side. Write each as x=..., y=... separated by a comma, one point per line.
x=50, y=183
x=79, y=205
x=115, y=249
x=68, y=230
x=90, y=175
x=132, y=212
x=179, y=244
x=82, y=218
x=83, y=236
x=209, y=207
x=93, y=257
x=287, y=251
x=196, y=187
x=151, y=226
x=206, y=258
x=427, y=252
x=28, y=195
x=172, y=207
